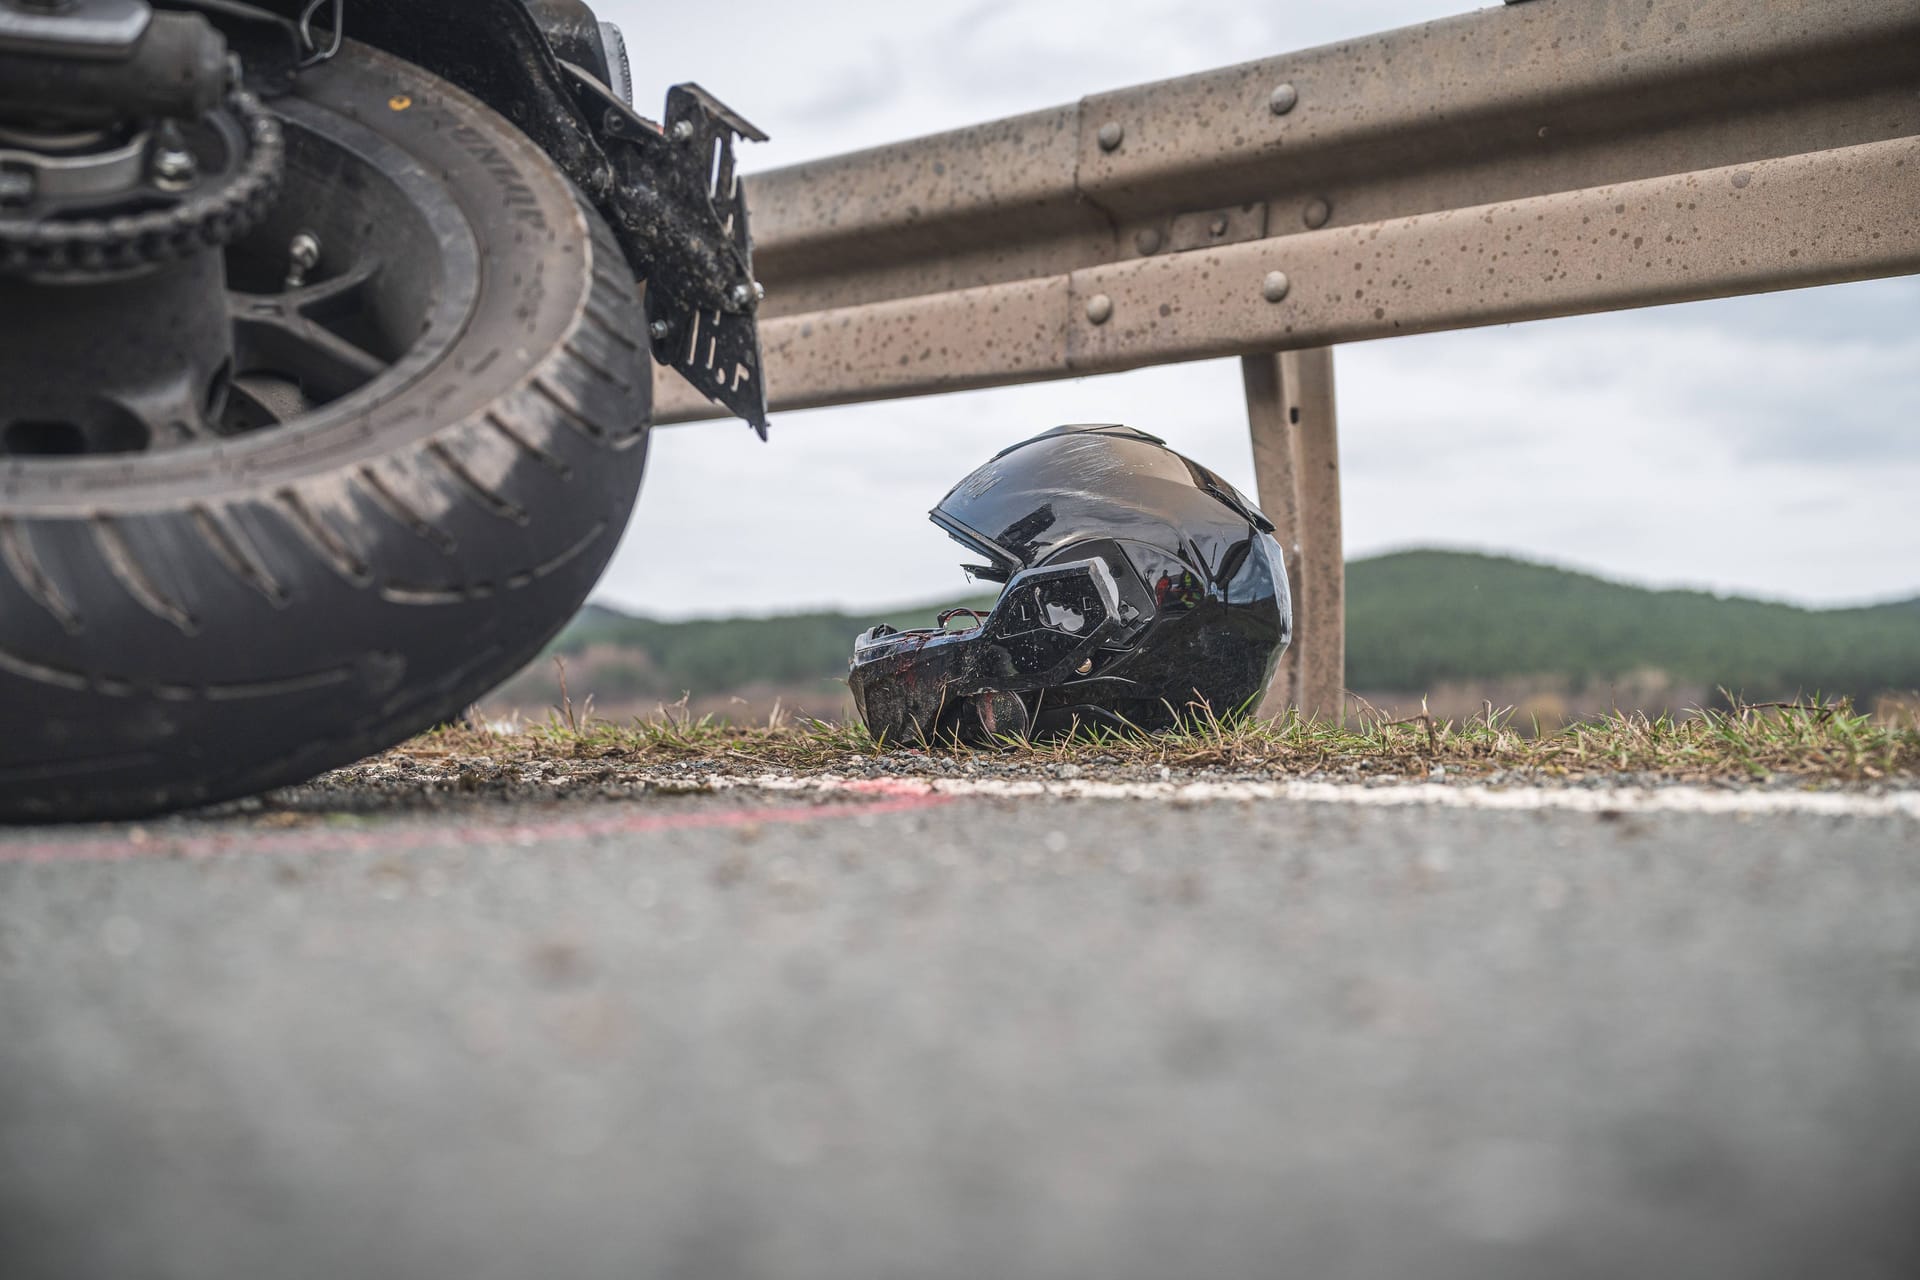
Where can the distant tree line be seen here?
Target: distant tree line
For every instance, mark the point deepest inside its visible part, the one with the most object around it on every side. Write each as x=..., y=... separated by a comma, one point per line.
x=1420, y=618
x=1415, y=620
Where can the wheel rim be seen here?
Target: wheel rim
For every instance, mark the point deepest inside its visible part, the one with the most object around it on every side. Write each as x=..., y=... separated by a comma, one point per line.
x=396, y=278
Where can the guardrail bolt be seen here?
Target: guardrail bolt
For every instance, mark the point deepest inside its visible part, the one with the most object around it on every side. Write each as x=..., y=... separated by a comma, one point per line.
x=1147, y=241
x=683, y=131
x=1099, y=308
x=1282, y=99
x=1218, y=227
x=1275, y=286
x=659, y=330
x=1110, y=135
x=1316, y=213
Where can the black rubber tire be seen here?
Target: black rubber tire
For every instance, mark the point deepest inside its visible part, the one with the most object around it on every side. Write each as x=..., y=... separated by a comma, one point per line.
x=183, y=627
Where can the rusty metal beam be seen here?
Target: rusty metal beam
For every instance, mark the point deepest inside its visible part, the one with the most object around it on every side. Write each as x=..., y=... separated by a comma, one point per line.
x=1277, y=486
x=1819, y=218
x=1801, y=220
x=1322, y=627
x=1485, y=107
x=1467, y=168
x=1499, y=105
x=1296, y=464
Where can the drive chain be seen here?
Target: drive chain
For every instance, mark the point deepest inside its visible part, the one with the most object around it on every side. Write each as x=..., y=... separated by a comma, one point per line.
x=203, y=220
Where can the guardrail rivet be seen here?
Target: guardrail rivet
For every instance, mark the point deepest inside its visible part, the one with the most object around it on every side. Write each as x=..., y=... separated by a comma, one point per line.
x=1147, y=241
x=1099, y=308
x=1110, y=134
x=1283, y=98
x=1275, y=286
x=1316, y=213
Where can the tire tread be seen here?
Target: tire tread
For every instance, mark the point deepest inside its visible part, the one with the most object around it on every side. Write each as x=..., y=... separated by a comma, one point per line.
x=487, y=508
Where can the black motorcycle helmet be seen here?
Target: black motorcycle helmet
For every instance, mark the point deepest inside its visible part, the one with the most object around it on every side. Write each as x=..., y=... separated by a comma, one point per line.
x=1141, y=590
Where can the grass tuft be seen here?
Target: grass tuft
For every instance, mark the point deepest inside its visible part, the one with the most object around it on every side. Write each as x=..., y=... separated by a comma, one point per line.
x=1813, y=742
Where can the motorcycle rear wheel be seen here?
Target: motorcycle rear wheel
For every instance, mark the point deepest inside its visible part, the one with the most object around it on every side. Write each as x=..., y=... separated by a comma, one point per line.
x=450, y=426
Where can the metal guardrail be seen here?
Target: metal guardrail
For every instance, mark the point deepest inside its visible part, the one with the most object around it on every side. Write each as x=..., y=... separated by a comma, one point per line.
x=1544, y=159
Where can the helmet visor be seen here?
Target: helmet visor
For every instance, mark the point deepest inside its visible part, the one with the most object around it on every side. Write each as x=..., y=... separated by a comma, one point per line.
x=1080, y=482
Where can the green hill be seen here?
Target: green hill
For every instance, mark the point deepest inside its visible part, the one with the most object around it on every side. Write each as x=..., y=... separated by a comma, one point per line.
x=1416, y=620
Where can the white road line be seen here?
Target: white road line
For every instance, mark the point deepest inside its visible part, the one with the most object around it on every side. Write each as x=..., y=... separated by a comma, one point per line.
x=1574, y=799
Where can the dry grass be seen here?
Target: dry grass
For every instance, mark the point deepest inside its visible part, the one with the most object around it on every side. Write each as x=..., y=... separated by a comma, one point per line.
x=1816, y=743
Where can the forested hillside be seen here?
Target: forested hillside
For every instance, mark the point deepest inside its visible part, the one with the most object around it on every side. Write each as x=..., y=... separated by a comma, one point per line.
x=1416, y=620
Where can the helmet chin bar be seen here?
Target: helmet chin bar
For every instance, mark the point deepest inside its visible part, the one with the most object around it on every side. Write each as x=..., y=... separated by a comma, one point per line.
x=1046, y=630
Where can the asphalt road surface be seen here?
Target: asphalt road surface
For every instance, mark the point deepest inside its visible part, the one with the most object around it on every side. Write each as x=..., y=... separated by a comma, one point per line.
x=887, y=1033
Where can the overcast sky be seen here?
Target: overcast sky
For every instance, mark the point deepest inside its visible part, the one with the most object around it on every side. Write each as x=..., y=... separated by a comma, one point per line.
x=1767, y=446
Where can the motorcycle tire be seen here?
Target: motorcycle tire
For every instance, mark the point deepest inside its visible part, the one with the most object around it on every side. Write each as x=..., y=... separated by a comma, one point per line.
x=193, y=624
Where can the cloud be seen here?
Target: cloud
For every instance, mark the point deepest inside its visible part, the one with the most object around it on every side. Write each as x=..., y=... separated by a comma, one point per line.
x=1723, y=373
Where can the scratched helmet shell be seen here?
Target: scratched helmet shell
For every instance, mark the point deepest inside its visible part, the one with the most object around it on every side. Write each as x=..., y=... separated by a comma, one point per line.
x=1141, y=590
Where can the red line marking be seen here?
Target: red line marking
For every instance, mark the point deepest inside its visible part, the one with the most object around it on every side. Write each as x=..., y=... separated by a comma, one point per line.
x=894, y=798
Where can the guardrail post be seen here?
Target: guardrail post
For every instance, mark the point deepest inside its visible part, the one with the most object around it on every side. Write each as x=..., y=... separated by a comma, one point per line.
x=1296, y=467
